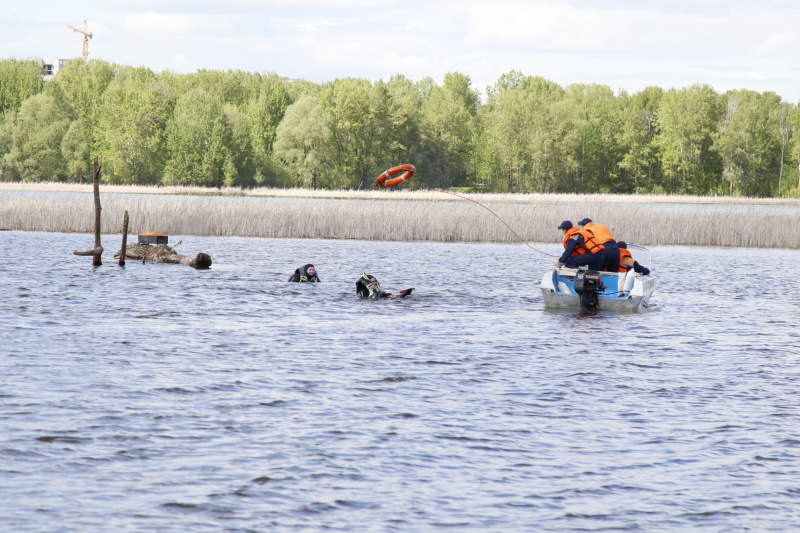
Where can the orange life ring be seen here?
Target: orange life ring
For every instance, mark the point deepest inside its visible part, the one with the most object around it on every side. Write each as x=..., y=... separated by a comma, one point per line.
x=384, y=181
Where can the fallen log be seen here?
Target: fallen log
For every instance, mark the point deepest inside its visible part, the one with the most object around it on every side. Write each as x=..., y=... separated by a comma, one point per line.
x=164, y=254
x=95, y=252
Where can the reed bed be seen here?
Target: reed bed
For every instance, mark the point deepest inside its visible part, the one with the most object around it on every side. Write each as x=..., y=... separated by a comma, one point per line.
x=405, y=218
x=394, y=194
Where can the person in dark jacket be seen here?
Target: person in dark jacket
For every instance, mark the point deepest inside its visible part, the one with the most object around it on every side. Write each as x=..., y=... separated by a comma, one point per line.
x=367, y=287
x=604, y=237
x=580, y=248
x=627, y=262
x=305, y=273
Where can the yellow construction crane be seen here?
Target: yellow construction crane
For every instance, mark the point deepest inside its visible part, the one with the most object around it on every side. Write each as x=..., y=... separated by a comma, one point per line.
x=86, y=37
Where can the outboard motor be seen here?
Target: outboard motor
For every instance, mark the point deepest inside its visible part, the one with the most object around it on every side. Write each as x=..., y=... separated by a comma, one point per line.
x=588, y=285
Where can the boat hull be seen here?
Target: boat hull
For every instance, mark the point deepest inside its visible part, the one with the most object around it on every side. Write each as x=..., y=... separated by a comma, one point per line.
x=623, y=291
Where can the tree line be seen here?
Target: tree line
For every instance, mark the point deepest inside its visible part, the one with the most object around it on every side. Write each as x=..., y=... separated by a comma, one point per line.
x=243, y=129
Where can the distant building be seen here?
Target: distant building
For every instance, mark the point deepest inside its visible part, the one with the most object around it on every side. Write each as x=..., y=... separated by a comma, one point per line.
x=51, y=66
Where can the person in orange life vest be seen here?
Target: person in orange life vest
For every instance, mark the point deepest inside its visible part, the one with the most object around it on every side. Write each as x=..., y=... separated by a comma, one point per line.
x=627, y=262
x=604, y=237
x=580, y=248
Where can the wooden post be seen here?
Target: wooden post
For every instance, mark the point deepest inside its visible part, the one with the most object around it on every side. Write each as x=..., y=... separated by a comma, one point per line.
x=124, y=240
x=96, y=260
x=97, y=252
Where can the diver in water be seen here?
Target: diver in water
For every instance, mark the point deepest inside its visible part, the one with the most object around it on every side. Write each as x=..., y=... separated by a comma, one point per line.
x=305, y=273
x=367, y=286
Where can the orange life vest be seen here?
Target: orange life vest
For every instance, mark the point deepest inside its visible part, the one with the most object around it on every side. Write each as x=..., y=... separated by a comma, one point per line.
x=590, y=241
x=569, y=234
x=625, y=260
x=600, y=231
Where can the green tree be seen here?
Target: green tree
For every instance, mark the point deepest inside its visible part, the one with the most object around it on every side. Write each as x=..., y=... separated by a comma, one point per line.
x=299, y=88
x=135, y=76
x=362, y=127
x=232, y=86
x=786, y=133
x=240, y=169
x=264, y=113
x=749, y=143
x=555, y=148
x=449, y=125
x=33, y=137
x=79, y=86
x=510, y=120
x=639, y=163
x=303, y=144
x=196, y=142
x=524, y=132
x=794, y=145
x=598, y=120
x=685, y=121
x=407, y=143
x=5, y=135
x=129, y=136
x=76, y=149
x=19, y=80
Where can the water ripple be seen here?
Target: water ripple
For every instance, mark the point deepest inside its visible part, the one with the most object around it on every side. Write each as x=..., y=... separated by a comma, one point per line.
x=157, y=398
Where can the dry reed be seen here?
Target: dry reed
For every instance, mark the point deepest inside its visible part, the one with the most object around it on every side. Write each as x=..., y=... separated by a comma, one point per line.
x=397, y=193
x=402, y=215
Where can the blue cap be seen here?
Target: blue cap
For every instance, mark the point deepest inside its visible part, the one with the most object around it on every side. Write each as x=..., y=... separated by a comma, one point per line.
x=565, y=225
x=584, y=221
x=622, y=244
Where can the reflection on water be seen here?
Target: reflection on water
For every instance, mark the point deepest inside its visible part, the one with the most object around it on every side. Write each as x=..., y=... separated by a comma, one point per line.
x=155, y=397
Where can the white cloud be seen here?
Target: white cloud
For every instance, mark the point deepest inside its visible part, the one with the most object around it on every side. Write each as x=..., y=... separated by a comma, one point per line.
x=314, y=26
x=180, y=61
x=177, y=24
x=740, y=75
x=654, y=31
x=545, y=25
x=780, y=43
x=321, y=4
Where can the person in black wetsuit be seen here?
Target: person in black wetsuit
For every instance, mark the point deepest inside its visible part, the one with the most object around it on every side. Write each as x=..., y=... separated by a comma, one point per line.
x=305, y=273
x=367, y=287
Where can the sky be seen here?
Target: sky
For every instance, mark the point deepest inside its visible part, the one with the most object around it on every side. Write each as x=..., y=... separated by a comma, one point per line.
x=625, y=44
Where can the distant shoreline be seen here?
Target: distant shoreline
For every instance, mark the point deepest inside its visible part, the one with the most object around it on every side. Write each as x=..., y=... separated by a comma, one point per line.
x=416, y=215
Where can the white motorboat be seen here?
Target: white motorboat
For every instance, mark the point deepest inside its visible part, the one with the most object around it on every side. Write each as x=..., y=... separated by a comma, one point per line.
x=571, y=288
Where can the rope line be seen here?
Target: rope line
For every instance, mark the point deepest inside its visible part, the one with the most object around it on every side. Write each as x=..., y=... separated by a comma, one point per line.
x=483, y=206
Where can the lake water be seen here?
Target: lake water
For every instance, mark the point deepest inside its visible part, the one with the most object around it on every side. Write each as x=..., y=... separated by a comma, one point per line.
x=159, y=398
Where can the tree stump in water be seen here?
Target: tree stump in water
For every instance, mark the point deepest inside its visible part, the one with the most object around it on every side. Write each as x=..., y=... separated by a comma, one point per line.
x=164, y=254
x=97, y=251
x=121, y=253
